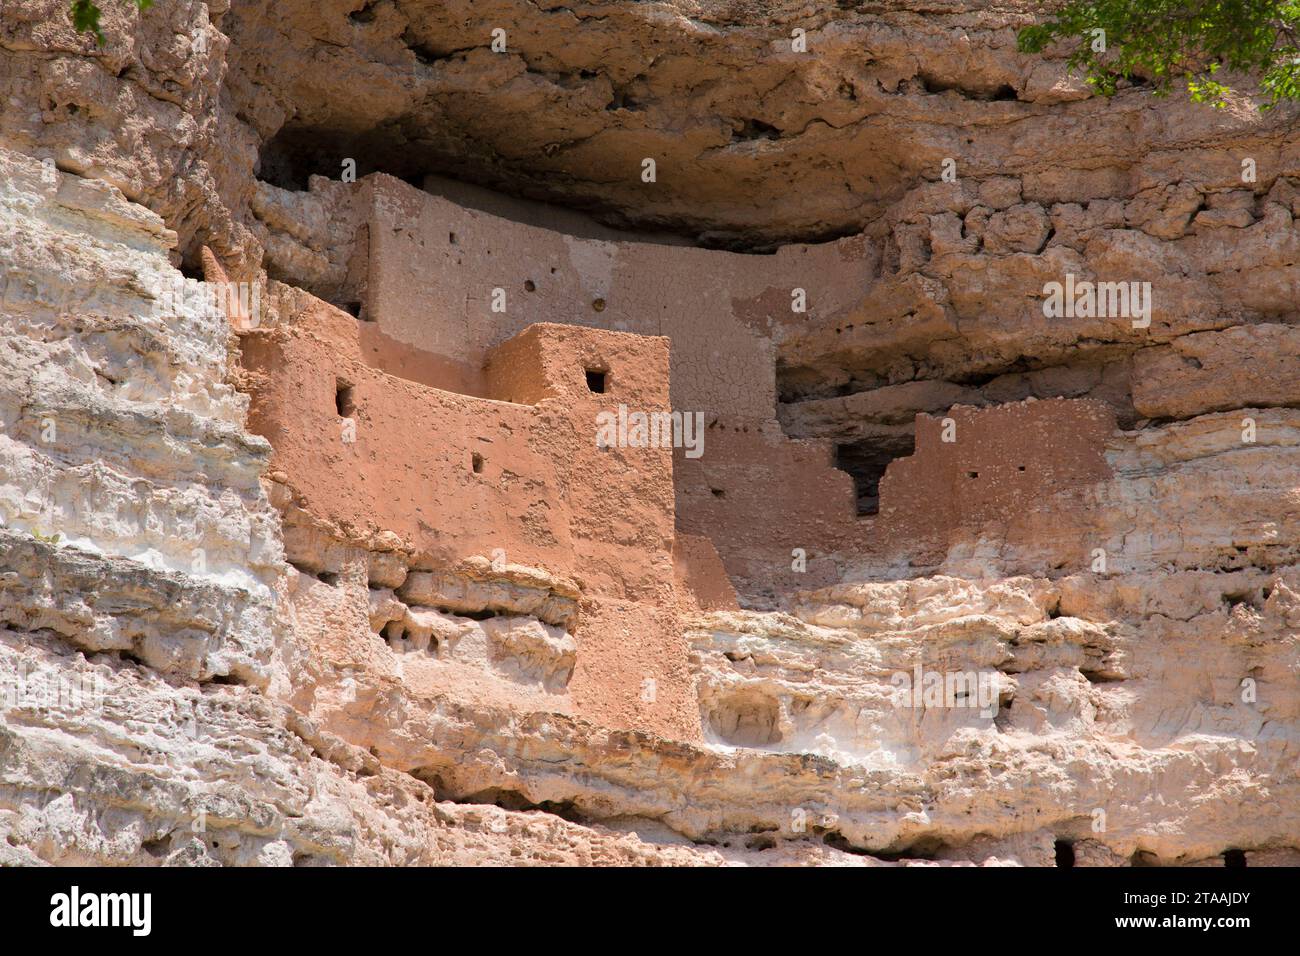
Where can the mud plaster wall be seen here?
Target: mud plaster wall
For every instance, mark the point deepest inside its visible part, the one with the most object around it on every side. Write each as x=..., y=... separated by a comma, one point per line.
x=1003, y=461
x=758, y=496
x=1009, y=468
x=764, y=501
x=515, y=467
x=434, y=266
x=455, y=476
x=540, y=490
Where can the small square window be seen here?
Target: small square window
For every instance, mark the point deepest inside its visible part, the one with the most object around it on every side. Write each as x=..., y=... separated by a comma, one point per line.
x=596, y=381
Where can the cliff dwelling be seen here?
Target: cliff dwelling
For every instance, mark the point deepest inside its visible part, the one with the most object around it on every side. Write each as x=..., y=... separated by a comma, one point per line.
x=456, y=414
x=646, y=443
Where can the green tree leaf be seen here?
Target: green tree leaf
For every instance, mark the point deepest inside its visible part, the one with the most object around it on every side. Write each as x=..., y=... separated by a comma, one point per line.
x=1170, y=43
x=85, y=16
x=85, y=19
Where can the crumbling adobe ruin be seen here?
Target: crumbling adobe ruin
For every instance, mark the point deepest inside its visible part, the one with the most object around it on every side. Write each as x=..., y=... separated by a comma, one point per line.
x=452, y=419
x=304, y=495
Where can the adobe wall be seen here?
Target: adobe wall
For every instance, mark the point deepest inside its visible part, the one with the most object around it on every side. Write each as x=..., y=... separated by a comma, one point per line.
x=410, y=469
x=768, y=504
x=501, y=503
x=1004, y=461
x=776, y=512
x=757, y=499
x=758, y=496
x=433, y=266
x=515, y=477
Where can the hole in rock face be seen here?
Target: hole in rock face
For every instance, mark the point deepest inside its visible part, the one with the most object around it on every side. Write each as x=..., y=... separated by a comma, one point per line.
x=752, y=129
x=746, y=718
x=1236, y=598
x=1234, y=858
x=1064, y=853
x=596, y=381
x=598, y=305
x=1098, y=676
x=486, y=614
x=365, y=15
x=718, y=493
x=530, y=285
x=476, y=463
x=866, y=461
x=296, y=153
x=328, y=577
x=1002, y=719
x=344, y=401
x=520, y=803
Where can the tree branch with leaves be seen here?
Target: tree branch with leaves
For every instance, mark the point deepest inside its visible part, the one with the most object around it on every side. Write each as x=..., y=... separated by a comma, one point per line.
x=85, y=16
x=1169, y=42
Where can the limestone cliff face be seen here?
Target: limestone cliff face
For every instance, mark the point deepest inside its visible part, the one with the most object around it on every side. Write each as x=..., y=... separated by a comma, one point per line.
x=223, y=642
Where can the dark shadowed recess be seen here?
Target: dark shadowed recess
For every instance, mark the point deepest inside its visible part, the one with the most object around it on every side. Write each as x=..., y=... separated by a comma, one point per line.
x=866, y=461
x=471, y=175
